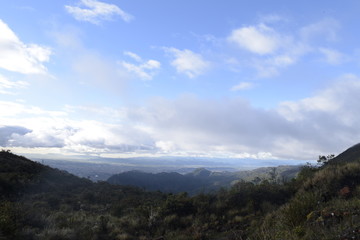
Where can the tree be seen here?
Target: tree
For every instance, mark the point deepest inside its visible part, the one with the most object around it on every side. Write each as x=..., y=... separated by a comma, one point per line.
x=323, y=160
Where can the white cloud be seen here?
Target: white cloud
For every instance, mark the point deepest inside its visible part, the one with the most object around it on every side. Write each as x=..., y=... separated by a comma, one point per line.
x=19, y=57
x=270, y=67
x=145, y=70
x=37, y=128
x=133, y=56
x=95, y=11
x=187, y=62
x=325, y=29
x=259, y=39
x=332, y=56
x=7, y=86
x=330, y=101
x=242, y=86
x=321, y=124
x=270, y=50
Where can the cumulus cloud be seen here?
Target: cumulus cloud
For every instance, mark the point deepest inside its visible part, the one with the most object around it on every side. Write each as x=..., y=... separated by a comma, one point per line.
x=271, y=49
x=8, y=132
x=95, y=11
x=187, y=62
x=268, y=50
x=259, y=39
x=19, y=57
x=145, y=70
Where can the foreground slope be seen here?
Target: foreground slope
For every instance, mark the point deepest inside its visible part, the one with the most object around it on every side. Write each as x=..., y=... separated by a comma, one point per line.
x=19, y=176
x=38, y=202
x=326, y=205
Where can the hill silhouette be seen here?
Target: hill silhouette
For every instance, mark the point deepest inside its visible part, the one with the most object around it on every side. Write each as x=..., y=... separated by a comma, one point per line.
x=19, y=175
x=352, y=154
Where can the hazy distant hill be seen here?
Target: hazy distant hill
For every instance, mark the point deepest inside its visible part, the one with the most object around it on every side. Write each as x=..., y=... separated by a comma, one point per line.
x=165, y=182
x=201, y=179
x=100, y=169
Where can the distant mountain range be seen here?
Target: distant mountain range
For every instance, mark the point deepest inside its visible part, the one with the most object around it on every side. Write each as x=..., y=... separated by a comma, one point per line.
x=201, y=179
x=100, y=169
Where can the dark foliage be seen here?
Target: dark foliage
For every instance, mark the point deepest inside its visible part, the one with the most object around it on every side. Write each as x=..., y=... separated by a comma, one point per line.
x=38, y=202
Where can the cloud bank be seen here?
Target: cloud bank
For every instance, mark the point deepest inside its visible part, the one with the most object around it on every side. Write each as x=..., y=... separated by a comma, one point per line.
x=191, y=126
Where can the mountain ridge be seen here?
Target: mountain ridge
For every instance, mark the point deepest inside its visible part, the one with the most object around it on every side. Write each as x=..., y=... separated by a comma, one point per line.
x=201, y=179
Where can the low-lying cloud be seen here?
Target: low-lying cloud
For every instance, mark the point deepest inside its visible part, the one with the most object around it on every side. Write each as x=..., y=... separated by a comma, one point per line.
x=191, y=126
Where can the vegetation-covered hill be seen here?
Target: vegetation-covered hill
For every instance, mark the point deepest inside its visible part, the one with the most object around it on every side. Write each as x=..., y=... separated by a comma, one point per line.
x=201, y=180
x=38, y=202
x=325, y=206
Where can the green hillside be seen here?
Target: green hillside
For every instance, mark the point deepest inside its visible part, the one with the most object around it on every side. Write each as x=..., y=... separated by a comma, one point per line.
x=325, y=206
x=38, y=202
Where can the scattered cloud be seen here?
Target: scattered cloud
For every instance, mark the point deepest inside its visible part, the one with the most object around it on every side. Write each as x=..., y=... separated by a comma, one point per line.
x=145, y=70
x=7, y=86
x=95, y=11
x=270, y=67
x=269, y=50
x=242, y=86
x=325, y=29
x=17, y=56
x=187, y=62
x=332, y=56
x=133, y=56
x=259, y=39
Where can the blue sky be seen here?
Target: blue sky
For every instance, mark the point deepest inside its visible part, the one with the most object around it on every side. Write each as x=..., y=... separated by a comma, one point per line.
x=202, y=78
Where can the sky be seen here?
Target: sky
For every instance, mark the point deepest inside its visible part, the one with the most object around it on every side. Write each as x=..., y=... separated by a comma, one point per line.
x=231, y=79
